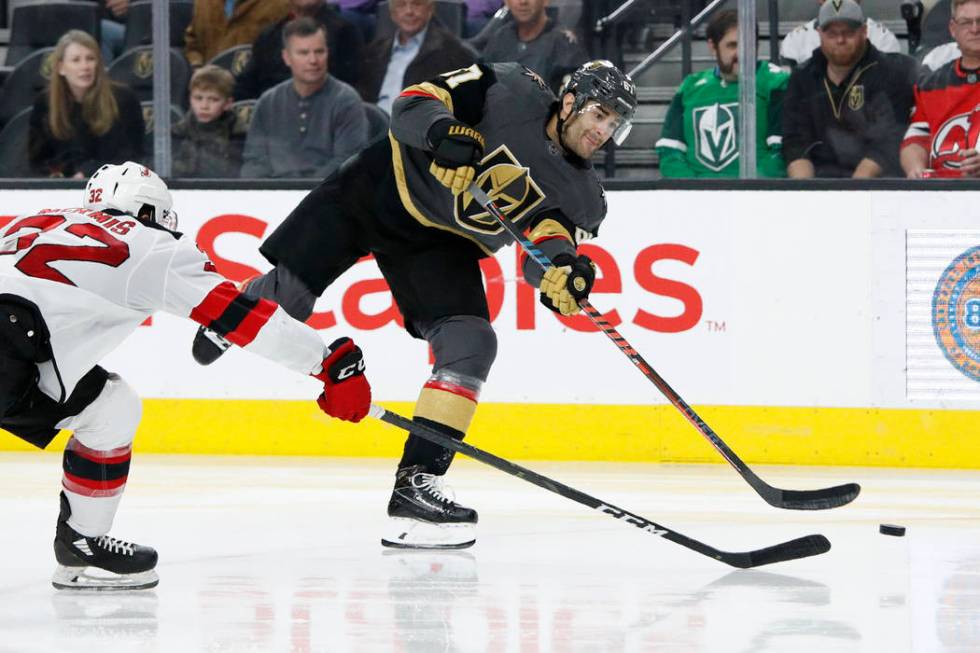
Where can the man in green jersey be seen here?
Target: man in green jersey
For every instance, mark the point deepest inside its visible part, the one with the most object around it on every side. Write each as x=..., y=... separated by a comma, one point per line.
x=700, y=134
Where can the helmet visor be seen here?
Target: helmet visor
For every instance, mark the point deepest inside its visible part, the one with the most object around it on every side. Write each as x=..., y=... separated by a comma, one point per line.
x=606, y=121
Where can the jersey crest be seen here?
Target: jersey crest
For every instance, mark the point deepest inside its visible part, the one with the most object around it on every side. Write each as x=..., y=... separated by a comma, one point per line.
x=506, y=182
x=958, y=133
x=715, y=130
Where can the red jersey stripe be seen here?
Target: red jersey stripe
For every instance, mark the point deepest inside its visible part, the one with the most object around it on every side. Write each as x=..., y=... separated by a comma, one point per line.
x=89, y=488
x=110, y=457
x=458, y=390
x=252, y=323
x=212, y=306
x=419, y=94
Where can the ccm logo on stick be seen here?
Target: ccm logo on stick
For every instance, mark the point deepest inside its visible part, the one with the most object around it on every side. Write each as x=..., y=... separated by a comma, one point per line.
x=639, y=522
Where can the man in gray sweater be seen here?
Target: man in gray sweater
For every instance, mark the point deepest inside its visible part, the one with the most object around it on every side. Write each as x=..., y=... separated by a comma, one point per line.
x=309, y=124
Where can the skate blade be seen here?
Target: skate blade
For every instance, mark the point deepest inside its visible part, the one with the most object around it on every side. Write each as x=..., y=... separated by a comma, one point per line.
x=93, y=578
x=405, y=533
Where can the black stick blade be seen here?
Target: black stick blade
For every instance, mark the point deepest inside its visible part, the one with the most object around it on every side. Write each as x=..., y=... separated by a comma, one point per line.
x=803, y=547
x=831, y=497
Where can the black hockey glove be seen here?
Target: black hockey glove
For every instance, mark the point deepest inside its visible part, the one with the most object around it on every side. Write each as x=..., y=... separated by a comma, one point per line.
x=457, y=149
x=568, y=280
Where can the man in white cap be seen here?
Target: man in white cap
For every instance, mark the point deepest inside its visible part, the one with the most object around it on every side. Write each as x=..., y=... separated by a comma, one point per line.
x=846, y=108
x=798, y=46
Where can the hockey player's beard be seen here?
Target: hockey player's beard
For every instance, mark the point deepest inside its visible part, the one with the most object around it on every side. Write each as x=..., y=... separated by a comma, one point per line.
x=728, y=70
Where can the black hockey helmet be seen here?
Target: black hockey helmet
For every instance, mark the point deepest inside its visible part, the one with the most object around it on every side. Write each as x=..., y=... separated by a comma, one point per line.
x=603, y=82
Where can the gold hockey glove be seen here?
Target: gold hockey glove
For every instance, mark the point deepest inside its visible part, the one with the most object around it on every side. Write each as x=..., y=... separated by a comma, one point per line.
x=569, y=279
x=456, y=149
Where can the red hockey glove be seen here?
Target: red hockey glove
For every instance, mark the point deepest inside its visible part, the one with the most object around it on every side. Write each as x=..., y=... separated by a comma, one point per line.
x=346, y=392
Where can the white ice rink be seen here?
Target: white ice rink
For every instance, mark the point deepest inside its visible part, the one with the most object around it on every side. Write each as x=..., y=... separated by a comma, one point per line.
x=281, y=554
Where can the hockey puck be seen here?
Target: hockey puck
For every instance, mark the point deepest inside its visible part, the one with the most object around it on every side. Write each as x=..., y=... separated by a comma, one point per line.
x=891, y=529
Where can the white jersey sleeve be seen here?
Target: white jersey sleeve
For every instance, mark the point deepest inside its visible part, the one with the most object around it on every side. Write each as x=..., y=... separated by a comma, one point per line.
x=96, y=277
x=178, y=278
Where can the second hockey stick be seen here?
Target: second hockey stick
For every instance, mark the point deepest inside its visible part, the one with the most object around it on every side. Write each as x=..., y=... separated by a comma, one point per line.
x=803, y=547
x=820, y=499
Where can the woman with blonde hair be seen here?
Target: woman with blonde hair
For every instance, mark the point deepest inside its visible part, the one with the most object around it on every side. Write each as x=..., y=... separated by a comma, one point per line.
x=83, y=120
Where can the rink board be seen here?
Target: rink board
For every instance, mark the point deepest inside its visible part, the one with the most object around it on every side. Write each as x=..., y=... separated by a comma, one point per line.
x=803, y=326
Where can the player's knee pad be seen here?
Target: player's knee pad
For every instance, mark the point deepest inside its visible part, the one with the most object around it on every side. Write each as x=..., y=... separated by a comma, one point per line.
x=111, y=420
x=463, y=344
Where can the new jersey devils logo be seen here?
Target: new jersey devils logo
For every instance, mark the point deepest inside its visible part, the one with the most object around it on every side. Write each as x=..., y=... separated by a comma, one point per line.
x=955, y=135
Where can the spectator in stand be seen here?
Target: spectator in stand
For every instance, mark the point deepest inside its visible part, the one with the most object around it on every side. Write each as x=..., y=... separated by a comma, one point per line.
x=217, y=25
x=940, y=55
x=266, y=68
x=83, y=119
x=113, y=25
x=362, y=13
x=941, y=141
x=700, y=136
x=479, y=13
x=208, y=142
x=419, y=50
x=307, y=125
x=798, y=46
x=846, y=108
x=533, y=39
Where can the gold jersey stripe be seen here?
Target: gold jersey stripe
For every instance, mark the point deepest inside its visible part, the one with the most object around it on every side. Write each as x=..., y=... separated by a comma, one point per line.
x=431, y=89
x=548, y=228
x=446, y=408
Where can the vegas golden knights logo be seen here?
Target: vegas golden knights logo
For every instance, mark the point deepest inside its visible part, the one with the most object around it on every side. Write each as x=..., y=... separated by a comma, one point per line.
x=47, y=65
x=506, y=182
x=241, y=59
x=143, y=66
x=855, y=99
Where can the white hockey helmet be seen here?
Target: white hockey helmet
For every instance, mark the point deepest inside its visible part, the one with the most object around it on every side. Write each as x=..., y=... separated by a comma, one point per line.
x=133, y=189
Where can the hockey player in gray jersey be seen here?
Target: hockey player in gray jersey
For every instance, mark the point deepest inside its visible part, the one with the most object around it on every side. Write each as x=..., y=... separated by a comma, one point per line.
x=404, y=199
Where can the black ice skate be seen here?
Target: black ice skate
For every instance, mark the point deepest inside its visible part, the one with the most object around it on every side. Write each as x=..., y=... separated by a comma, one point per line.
x=421, y=516
x=208, y=346
x=99, y=563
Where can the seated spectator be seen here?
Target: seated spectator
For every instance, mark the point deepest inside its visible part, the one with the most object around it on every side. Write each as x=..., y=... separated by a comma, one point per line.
x=83, y=119
x=361, y=13
x=847, y=107
x=941, y=141
x=479, y=13
x=208, y=142
x=419, y=50
x=266, y=68
x=217, y=25
x=941, y=55
x=700, y=137
x=798, y=46
x=113, y=26
x=309, y=124
x=533, y=39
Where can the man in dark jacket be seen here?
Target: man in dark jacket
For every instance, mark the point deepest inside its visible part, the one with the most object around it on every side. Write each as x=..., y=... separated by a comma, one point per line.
x=421, y=49
x=267, y=68
x=847, y=108
x=534, y=40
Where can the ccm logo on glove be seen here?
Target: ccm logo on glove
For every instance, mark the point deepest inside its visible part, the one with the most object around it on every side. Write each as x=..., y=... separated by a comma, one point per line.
x=346, y=392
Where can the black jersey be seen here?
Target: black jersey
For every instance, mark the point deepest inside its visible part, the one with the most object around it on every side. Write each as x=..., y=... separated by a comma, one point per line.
x=531, y=178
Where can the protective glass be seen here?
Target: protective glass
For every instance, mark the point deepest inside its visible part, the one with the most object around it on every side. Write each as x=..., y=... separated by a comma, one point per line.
x=610, y=123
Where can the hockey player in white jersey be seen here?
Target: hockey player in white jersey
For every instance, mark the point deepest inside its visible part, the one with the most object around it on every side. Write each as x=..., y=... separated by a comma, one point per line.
x=73, y=284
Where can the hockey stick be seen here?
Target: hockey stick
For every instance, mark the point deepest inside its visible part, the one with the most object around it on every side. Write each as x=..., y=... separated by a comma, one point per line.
x=802, y=547
x=821, y=499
